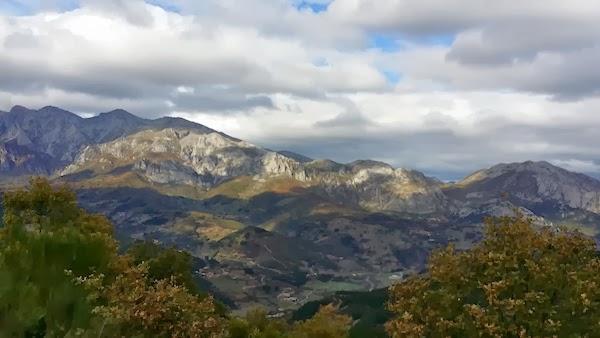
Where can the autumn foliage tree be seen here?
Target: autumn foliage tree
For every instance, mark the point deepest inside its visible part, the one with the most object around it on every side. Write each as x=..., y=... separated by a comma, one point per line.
x=328, y=322
x=521, y=281
x=135, y=305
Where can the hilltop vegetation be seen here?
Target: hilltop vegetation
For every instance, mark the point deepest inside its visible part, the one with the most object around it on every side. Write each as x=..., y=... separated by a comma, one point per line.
x=518, y=282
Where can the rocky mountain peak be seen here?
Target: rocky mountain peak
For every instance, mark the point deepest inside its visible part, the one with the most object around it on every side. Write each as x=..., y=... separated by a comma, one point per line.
x=532, y=183
x=56, y=134
x=119, y=114
x=19, y=110
x=54, y=110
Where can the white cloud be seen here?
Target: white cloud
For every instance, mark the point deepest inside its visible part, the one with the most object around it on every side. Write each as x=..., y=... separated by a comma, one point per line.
x=578, y=165
x=519, y=81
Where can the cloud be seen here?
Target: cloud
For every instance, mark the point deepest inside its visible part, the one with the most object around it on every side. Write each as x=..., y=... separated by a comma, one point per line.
x=100, y=49
x=445, y=86
x=582, y=166
x=216, y=99
x=350, y=119
x=434, y=17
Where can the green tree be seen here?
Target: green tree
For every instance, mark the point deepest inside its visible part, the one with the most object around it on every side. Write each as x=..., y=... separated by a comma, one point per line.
x=61, y=276
x=328, y=322
x=519, y=282
x=45, y=242
x=256, y=324
x=165, y=263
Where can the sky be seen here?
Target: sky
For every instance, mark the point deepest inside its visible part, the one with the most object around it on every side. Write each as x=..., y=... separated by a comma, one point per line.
x=441, y=86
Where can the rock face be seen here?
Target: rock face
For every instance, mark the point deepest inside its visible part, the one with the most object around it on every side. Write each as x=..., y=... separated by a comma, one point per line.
x=184, y=157
x=529, y=184
x=53, y=137
x=16, y=160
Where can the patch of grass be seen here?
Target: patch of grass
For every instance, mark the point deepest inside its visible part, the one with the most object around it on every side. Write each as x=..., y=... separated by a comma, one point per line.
x=245, y=187
x=207, y=225
x=333, y=286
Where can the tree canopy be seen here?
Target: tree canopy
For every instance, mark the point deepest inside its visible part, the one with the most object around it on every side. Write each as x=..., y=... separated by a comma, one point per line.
x=520, y=281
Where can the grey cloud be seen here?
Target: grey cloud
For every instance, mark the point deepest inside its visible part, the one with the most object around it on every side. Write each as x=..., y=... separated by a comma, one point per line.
x=69, y=61
x=33, y=77
x=523, y=38
x=347, y=119
x=351, y=118
x=545, y=47
x=570, y=76
x=448, y=155
x=220, y=100
x=24, y=39
x=435, y=17
x=564, y=76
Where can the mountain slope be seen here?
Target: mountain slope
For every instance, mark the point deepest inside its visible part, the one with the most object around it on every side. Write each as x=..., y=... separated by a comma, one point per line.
x=540, y=187
x=206, y=160
x=53, y=137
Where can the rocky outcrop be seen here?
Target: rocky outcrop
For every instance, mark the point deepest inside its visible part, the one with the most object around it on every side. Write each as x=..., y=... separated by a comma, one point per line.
x=17, y=160
x=54, y=137
x=204, y=159
x=182, y=156
x=530, y=184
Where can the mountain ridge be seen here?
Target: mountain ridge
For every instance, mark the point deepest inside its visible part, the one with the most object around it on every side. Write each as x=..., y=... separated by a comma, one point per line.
x=173, y=151
x=239, y=206
x=63, y=134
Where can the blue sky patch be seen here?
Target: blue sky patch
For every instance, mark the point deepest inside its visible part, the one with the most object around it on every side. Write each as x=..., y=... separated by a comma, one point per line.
x=393, y=77
x=385, y=43
x=16, y=7
x=320, y=62
x=11, y=7
x=315, y=7
x=389, y=43
x=165, y=4
x=438, y=40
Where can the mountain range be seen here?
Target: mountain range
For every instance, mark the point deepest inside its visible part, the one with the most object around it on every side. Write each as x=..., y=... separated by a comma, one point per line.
x=276, y=228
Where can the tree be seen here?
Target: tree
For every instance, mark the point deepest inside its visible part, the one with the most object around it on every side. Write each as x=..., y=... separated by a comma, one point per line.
x=165, y=263
x=135, y=305
x=326, y=323
x=256, y=324
x=61, y=276
x=45, y=242
x=519, y=282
